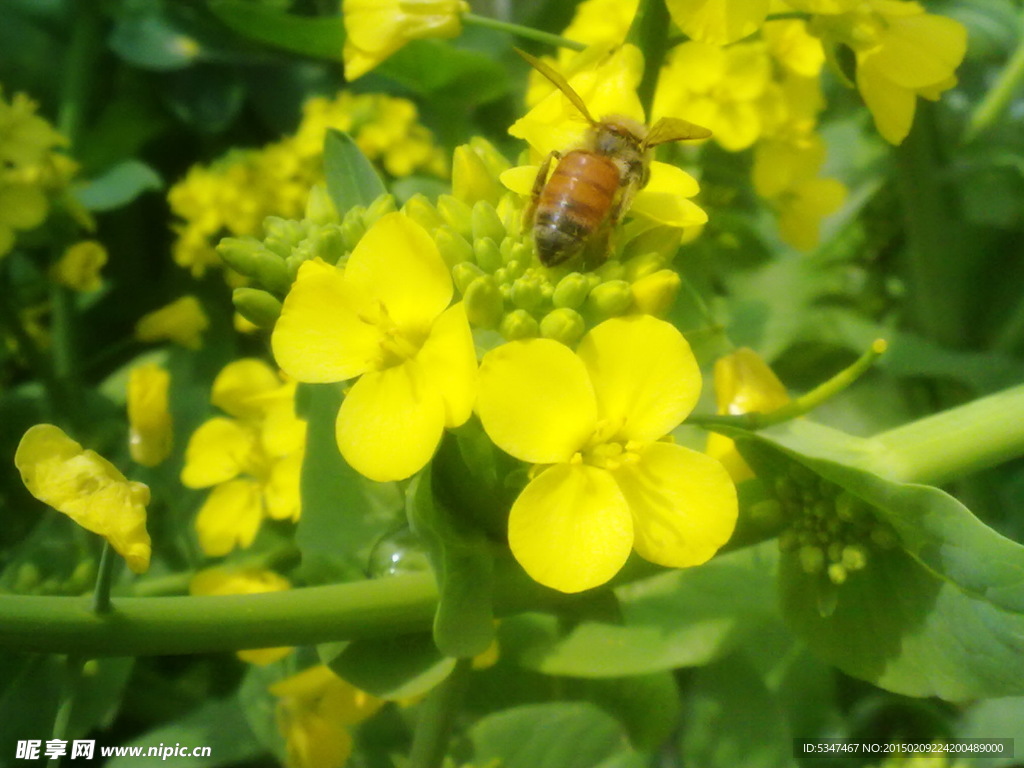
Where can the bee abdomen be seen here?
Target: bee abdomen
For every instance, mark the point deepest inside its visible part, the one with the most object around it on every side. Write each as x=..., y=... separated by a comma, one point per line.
x=573, y=204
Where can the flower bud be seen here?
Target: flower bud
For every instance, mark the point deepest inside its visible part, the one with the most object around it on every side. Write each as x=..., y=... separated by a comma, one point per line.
x=571, y=291
x=471, y=178
x=610, y=299
x=319, y=206
x=329, y=244
x=257, y=306
x=250, y=258
x=487, y=253
x=484, y=303
x=486, y=222
x=812, y=559
x=464, y=273
x=643, y=265
x=456, y=214
x=419, y=209
x=285, y=232
x=382, y=206
x=854, y=557
x=526, y=293
x=836, y=573
x=353, y=228
x=655, y=293
x=610, y=270
x=564, y=325
x=519, y=324
x=454, y=247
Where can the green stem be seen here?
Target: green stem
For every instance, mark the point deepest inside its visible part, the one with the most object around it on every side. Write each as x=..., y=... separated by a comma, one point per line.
x=520, y=31
x=104, y=578
x=79, y=68
x=437, y=717
x=649, y=32
x=999, y=96
x=69, y=693
x=958, y=441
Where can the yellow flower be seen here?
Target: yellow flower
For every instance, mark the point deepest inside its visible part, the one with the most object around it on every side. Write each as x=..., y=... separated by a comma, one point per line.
x=792, y=45
x=182, y=321
x=26, y=140
x=601, y=21
x=87, y=488
x=22, y=206
x=149, y=420
x=313, y=709
x=375, y=29
x=243, y=581
x=902, y=53
x=743, y=384
x=386, y=319
x=607, y=84
x=79, y=267
x=253, y=459
x=718, y=21
x=598, y=417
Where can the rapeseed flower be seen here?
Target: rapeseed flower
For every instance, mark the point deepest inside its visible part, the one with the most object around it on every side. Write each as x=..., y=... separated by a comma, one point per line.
x=314, y=709
x=79, y=267
x=375, y=29
x=243, y=581
x=386, y=319
x=718, y=21
x=182, y=322
x=606, y=483
x=87, y=488
x=149, y=420
x=252, y=458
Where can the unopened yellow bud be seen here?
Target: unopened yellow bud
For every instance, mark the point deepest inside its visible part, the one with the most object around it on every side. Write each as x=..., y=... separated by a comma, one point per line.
x=484, y=303
x=656, y=293
x=564, y=325
x=456, y=214
x=454, y=247
x=611, y=299
x=319, y=206
x=527, y=293
x=422, y=211
x=464, y=273
x=471, y=179
x=249, y=257
x=486, y=222
x=488, y=254
x=79, y=267
x=519, y=324
x=644, y=265
x=571, y=291
x=257, y=306
x=854, y=557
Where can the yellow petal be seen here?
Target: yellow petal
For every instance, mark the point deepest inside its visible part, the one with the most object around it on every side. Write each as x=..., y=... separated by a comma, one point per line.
x=397, y=264
x=664, y=198
x=683, y=504
x=218, y=450
x=282, y=432
x=321, y=335
x=87, y=488
x=182, y=321
x=718, y=21
x=918, y=51
x=892, y=107
x=448, y=359
x=238, y=388
x=230, y=517
x=644, y=374
x=390, y=423
x=520, y=179
x=536, y=401
x=570, y=528
x=149, y=420
x=281, y=492
x=79, y=267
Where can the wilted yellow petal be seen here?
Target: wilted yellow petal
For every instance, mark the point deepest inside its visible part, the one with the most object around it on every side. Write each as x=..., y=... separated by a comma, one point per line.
x=644, y=375
x=149, y=420
x=570, y=528
x=230, y=517
x=87, y=488
x=683, y=504
x=536, y=401
x=391, y=422
x=219, y=450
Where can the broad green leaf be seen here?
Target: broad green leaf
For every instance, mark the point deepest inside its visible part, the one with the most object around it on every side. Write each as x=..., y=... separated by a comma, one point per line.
x=151, y=41
x=118, y=186
x=674, y=619
x=321, y=37
x=351, y=178
x=550, y=736
x=463, y=567
x=647, y=706
x=219, y=725
x=343, y=513
x=940, y=614
x=1000, y=718
x=393, y=668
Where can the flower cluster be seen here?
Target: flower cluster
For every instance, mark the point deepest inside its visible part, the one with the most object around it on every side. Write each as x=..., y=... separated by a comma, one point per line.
x=252, y=457
x=235, y=194
x=32, y=171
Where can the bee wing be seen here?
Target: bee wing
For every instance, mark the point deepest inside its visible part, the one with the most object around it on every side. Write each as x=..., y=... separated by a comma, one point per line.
x=559, y=82
x=673, y=129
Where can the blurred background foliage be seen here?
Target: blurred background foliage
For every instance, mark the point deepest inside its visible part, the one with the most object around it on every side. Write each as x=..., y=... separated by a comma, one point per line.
x=926, y=252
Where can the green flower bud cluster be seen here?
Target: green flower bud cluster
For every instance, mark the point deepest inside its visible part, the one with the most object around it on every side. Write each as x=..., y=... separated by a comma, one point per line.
x=506, y=289
x=832, y=531
x=271, y=264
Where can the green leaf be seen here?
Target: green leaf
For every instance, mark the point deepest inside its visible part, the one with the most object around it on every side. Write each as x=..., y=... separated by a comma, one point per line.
x=463, y=566
x=675, y=619
x=437, y=68
x=219, y=725
x=151, y=41
x=647, y=706
x=351, y=178
x=343, y=513
x=320, y=37
x=550, y=736
x=940, y=615
x=393, y=667
x=118, y=186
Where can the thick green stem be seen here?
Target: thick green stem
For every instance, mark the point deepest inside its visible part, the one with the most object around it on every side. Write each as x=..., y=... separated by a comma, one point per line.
x=437, y=717
x=518, y=30
x=960, y=440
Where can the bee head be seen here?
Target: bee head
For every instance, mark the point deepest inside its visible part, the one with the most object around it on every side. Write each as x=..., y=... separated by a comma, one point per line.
x=617, y=136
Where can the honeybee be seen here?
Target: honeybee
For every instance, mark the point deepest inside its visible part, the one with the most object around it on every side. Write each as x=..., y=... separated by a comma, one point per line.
x=592, y=186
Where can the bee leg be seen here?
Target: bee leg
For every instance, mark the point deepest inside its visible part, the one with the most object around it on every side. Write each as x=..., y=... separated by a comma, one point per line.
x=538, y=187
x=601, y=244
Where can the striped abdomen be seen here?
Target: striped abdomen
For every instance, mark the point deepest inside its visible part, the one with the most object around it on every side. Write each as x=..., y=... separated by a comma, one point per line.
x=573, y=204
